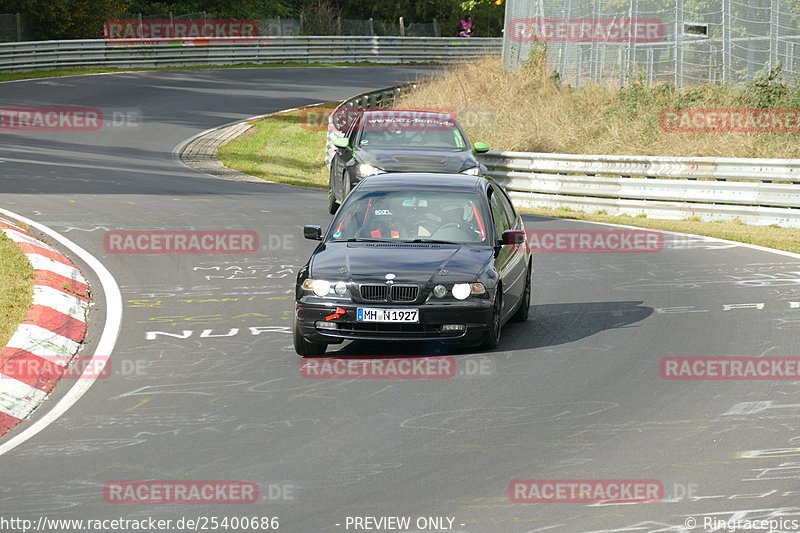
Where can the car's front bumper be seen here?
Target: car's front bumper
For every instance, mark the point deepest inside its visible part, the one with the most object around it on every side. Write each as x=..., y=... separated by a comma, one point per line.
x=474, y=313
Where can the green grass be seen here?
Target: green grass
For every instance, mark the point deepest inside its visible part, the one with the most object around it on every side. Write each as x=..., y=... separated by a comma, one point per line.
x=16, y=278
x=279, y=148
x=34, y=74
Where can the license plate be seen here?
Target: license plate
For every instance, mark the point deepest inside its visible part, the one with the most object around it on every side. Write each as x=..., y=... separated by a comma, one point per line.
x=375, y=314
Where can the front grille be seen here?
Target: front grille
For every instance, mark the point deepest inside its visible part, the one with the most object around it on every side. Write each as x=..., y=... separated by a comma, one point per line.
x=404, y=293
x=374, y=293
x=389, y=293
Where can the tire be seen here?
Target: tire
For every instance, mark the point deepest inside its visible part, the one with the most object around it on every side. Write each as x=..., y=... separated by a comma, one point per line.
x=492, y=337
x=305, y=348
x=332, y=205
x=346, y=186
x=521, y=315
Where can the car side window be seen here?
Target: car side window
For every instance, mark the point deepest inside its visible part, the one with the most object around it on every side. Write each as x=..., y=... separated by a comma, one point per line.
x=352, y=133
x=499, y=217
x=508, y=207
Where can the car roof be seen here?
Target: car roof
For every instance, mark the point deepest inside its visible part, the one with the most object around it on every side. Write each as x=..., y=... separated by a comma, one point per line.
x=422, y=181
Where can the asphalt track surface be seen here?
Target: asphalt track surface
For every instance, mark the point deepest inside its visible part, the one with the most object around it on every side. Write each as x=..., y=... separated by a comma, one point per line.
x=574, y=393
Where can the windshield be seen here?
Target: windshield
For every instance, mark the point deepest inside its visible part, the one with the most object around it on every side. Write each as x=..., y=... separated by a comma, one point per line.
x=411, y=130
x=411, y=216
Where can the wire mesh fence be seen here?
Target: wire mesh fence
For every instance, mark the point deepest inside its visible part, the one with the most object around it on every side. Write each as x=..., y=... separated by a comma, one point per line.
x=683, y=42
x=11, y=27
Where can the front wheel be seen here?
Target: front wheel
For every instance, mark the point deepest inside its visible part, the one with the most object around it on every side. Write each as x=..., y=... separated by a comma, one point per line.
x=522, y=313
x=333, y=206
x=492, y=337
x=304, y=347
x=346, y=186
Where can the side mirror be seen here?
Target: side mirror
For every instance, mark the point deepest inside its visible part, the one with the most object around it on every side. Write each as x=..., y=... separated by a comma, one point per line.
x=342, y=142
x=513, y=236
x=312, y=232
x=481, y=147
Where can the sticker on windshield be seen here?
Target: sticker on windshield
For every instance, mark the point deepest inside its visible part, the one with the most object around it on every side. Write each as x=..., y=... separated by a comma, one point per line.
x=383, y=212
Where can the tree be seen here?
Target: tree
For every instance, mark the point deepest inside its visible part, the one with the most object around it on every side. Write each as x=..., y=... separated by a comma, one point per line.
x=66, y=19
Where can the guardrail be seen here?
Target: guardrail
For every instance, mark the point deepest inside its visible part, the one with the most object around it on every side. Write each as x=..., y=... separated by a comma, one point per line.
x=687, y=187
x=369, y=100
x=152, y=53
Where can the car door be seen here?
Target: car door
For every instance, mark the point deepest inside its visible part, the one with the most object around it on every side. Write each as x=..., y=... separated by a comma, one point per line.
x=343, y=161
x=348, y=160
x=510, y=260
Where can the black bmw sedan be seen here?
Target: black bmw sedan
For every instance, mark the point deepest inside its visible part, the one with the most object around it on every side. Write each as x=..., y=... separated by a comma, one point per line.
x=397, y=140
x=415, y=257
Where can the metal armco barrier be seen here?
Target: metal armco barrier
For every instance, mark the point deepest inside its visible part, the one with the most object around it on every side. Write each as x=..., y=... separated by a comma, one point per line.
x=152, y=53
x=370, y=100
x=756, y=191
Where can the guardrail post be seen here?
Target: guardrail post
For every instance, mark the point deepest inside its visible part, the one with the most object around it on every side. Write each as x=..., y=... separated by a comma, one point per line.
x=774, y=29
x=679, y=44
x=726, y=40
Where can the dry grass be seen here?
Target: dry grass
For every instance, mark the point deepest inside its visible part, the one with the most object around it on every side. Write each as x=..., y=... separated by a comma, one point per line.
x=527, y=111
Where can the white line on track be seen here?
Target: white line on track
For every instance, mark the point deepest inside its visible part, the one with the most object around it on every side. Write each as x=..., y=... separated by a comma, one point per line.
x=104, y=348
x=700, y=237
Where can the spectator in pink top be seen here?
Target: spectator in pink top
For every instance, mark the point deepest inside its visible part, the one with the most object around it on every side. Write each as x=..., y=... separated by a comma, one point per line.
x=465, y=26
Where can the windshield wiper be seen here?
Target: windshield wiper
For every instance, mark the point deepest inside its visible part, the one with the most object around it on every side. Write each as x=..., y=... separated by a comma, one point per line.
x=362, y=239
x=435, y=241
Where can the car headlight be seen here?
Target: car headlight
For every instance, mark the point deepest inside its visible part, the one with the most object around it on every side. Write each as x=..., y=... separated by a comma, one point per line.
x=322, y=287
x=471, y=171
x=365, y=169
x=462, y=291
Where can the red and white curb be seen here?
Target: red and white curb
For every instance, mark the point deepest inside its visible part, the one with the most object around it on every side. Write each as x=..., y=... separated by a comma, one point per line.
x=49, y=336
